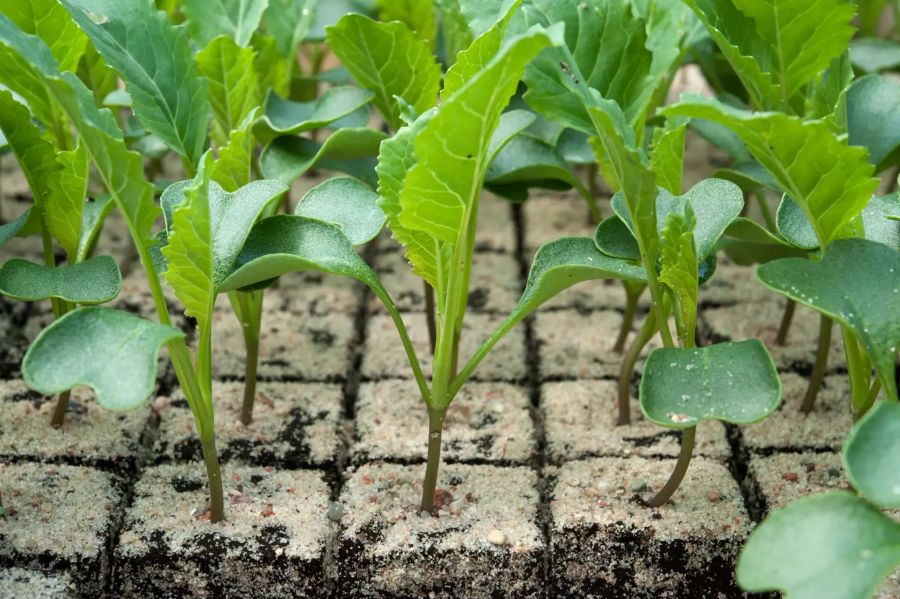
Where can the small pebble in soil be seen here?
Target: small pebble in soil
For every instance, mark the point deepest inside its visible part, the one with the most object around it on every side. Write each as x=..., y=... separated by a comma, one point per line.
x=713, y=497
x=496, y=537
x=335, y=511
x=604, y=486
x=790, y=476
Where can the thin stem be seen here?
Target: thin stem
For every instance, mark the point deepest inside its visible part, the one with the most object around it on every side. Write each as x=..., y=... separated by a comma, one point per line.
x=214, y=475
x=59, y=411
x=430, y=318
x=648, y=329
x=247, y=307
x=821, y=365
x=435, y=429
x=786, y=319
x=681, y=468
x=631, y=303
x=870, y=400
x=858, y=369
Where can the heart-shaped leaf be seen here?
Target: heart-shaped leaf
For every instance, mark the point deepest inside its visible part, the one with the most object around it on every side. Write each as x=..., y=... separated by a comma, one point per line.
x=284, y=117
x=715, y=203
x=857, y=283
x=732, y=382
x=350, y=151
x=347, y=203
x=870, y=455
x=833, y=545
x=873, y=120
x=111, y=351
x=93, y=281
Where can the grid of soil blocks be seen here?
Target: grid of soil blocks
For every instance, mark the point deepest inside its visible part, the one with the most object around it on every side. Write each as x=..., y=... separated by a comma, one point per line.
x=272, y=544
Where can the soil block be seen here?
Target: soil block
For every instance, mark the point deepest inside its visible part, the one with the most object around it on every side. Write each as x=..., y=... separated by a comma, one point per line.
x=606, y=543
x=580, y=421
x=549, y=217
x=16, y=583
x=733, y=284
x=13, y=315
x=384, y=357
x=59, y=519
x=294, y=425
x=90, y=434
x=485, y=540
x=487, y=422
x=271, y=544
x=315, y=293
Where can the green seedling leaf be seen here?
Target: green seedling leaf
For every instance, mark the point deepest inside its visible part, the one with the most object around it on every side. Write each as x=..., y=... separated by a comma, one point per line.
x=749, y=175
x=796, y=228
x=237, y=19
x=168, y=96
x=289, y=243
x=826, y=100
x=94, y=281
x=284, y=117
x=63, y=210
x=347, y=203
x=525, y=162
x=855, y=283
x=680, y=271
x=482, y=14
x=715, y=204
x=732, y=382
x=873, y=55
x=18, y=226
x=829, y=179
x=93, y=216
x=234, y=90
x=389, y=60
x=233, y=168
x=667, y=157
x=48, y=20
x=329, y=13
x=722, y=137
x=418, y=15
x=829, y=546
x=350, y=151
x=112, y=351
x=870, y=455
x=271, y=65
x=872, y=119
x=288, y=21
x=746, y=242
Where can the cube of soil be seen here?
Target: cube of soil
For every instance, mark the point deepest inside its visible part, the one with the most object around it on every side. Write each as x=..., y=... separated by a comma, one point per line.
x=487, y=422
x=608, y=544
x=495, y=285
x=778, y=480
x=549, y=217
x=316, y=293
x=384, y=357
x=485, y=540
x=271, y=544
x=760, y=320
x=292, y=346
x=59, y=519
x=294, y=425
x=574, y=345
x=13, y=315
x=495, y=230
x=17, y=582
x=90, y=434
x=789, y=429
x=580, y=421
x=605, y=294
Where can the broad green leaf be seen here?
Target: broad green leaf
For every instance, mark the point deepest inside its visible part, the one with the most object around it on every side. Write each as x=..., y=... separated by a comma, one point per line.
x=855, y=283
x=749, y=175
x=271, y=66
x=94, y=281
x=873, y=55
x=482, y=14
x=527, y=162
x=680, y=271
x=794, y=226
x=64, y=208
x=870, y=455
x=232, y=169
x=168, y=96
x=288, y=21
x=454, y=31
x=722, y=137
x=18, y=76
x=112, y=351
x=288, y=243
x=746, y=242
x=828, y=546
x=284, y=117
x=233, y=84
x=615, y=63
x=346, y=150
x=238, y=19
x=667, y=157
x=829, y=179
x=347, y=203
x=827, y=97
x=17, y=226
x=418, y=15
x=97, y=76
x=875, y=217
x=873, y=120
x=389, y=60
x=93, y=216
x=330, y=12
x=48, y=20
x=732, y=382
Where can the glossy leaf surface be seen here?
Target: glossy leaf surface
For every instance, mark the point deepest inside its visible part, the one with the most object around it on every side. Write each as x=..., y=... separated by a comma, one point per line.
x=870, y=455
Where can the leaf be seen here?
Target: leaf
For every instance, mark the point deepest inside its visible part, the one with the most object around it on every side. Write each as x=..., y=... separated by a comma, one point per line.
x=827, y=97
x=328, y=13
x=233, y=167
x=288, y=243
x=870, y=455
x=168, y=96
x=680, y=271
x=873, y=55
x=482, y=14
x=616, y=63
x=94, y=281
x=418, y=15
x=288, y=21
x=855, y=283
x=111, y=351
x=271, y=66
x=832, y=545
x=64, y=207
x=48, y=20
x=347, y=203
x=238, y=19
x=732, y=382
x=346, y=150
x=284, y=117
x=389, y=60
x=93, y=215
x=233, y=84
x=830, y=180
x=747, y=242
x=667, y=156
x=527, y=162
x=17, y=226
x=872, y=119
